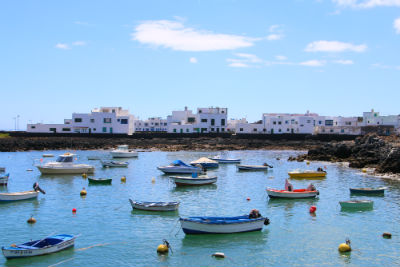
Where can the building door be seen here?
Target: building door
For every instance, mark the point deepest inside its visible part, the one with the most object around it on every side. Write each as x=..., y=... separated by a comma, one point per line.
x=272, y=131
x=292, y=130
x=111, y=130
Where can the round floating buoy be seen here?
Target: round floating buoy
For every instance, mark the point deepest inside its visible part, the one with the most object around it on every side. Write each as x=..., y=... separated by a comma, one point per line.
x=218, y=255
x=364, y=170
x=73, y=210
x=31, y=220
x=153, y=180
x=387, y=235
x=83, y=192
x=164, y=247
x=84, y=175
x=248, y=199
x=313, y=209
x=307, y=162
x=277, y=158
x=344, y=247
x=123, y=179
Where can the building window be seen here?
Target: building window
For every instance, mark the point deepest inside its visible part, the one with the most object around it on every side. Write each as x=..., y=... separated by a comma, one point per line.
x=113, y=111
x=287, y=130
x=53, y=130
x=222, y=111
x=33, y=127
x=301, y=125
x=92, y=120
x=308, y=121
x=94, y=129
x=241, y=129
x=124, y=121
x=279, y=130
x=286, y=122
x=187, y=130
x=66, y=129
x=222, y=122
x=347, y=123
x=203, y=120
x=174, y=130
x=104, y=129
x=107, y=120
x=199, y=110
x=156, y=124
x=264, y=130
x=342, y=130
x=331, y=130
x=146, y=124
x=212, y=122
x=222, y=129
x=319, y=122
x=212, y=129
x=279, y=122
x=255, y=130
x=78, y=119
x=191, y=119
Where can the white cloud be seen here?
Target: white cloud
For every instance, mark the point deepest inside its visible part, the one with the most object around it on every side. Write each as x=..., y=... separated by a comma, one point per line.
x=279, y=57
x=238, y=65
x=244, y=60
x=344, y=61
x=79, y=43
x=396, y=25
x=367, y=3
x=193, y=60
x=62, y=46
x=274, y=37
x=276, y=32
x=313, y=63
x=334, y=46
x=249, y=57
x=174, y=35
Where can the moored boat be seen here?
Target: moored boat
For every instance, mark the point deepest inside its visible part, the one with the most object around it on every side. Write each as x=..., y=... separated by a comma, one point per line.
x=22, y=195
x=179, y=166
x=222, y=225
x=43, y=246
x=205, y=163
x=263, y=167
x=99, y=180
x=357, y=204
x=47, y=155
x=154, y=206
x=307, y=174
x=368, y=191
x=226, y=160
x=113, y=163
x=93, y=158
x=65, y=165
x=296, y=193
x=123, y=151
x=199, y=180
x=4, y=179
x=2, y=169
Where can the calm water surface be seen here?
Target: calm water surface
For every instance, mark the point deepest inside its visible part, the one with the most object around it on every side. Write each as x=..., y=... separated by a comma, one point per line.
x=114, y=235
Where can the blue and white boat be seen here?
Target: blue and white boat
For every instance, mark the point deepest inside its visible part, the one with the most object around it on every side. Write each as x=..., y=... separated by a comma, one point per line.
x=205, y=163
x=226, y=160
x=43, y=246
x=4, y=179
x=179, y=166
x=222, y=225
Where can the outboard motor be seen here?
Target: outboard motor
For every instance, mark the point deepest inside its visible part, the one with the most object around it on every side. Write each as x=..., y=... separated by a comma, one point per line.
x=266, y=221
x=37, y=188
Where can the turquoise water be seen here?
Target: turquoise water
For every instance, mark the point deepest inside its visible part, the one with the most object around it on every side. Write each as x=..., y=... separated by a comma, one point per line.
x=111, y=234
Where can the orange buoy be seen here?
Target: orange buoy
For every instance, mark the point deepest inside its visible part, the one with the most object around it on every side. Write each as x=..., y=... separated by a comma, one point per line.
x=248, y=199
x=313, y=209
x=73, y=210
x=31, y=220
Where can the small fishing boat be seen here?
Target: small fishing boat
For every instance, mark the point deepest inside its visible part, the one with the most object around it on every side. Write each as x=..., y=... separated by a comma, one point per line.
x=47, y=155
x=357, y=204
x=199, y=180
x=253, y=167
x=113, y=163
x=307, y=174
x=205, y=163
x=222, y=225
x=296, y=193
x=18, y=195
x=179, y=166
x=226, y=160
x=43, y=246
x=65, y=165
x=93, y=158
x=368, y=191
x=99, y=180
x=4, y=179
x=123, y=151
x=154, y=206
x=2, y=169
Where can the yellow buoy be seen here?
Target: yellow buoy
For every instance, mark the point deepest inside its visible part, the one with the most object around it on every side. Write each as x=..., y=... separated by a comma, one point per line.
x=153, y=180
x=123, y=179
x=31, y=220
x=364, y=170
x=308, y=163
x=83, y=192
x=163, y=248
x=344, y=247
x=84, y=175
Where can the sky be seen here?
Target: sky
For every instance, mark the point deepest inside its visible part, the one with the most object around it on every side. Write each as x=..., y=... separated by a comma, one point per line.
x=331, y=57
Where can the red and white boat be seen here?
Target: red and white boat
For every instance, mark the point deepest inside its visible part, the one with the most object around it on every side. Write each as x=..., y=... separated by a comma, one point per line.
x=296, y=193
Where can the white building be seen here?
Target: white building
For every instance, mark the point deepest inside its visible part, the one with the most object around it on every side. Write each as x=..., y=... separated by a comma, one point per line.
x=66, y=127
x=207, y=120
x=151, y=125
x=104, y=120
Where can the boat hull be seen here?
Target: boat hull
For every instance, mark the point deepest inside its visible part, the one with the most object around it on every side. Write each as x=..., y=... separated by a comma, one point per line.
x=114, y=164
x=12, y=252
x=252, y=168
x=116, y=154
x=18, y=196
x=154, y=206
x=99, y=181
x=367, y=191
x=357, y=204
x=179, y=170
x=272, y=193
x=187, y=181
x=193, y=227
x=60, y=170
x=307, y=174
x=227, y=160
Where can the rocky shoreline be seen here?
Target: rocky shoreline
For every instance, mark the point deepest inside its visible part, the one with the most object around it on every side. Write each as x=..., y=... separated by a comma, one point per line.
x=381, y=154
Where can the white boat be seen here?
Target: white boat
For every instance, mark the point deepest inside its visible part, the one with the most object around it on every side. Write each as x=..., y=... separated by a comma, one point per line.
x=222, y=225
x=2, y=169
x=297, y=193
x=221, y=160
x=179, y=166
x=113, y=163
x=252, y=167
x=357, y=204
x=47, y=155
x=65, y=165
x=93, y=158
x=154, y=206
x=43, y=246
x=123, y=151
x=199, y=180
x=18, y=195
x=205, y=163
x=4, y=179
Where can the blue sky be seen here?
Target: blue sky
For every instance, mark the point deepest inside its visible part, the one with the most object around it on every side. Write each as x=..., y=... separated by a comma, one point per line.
x=332, y=57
